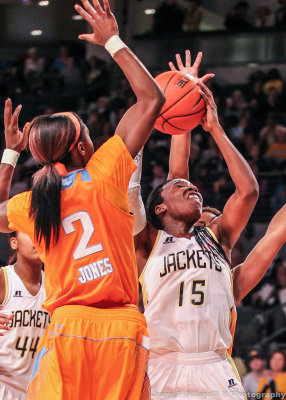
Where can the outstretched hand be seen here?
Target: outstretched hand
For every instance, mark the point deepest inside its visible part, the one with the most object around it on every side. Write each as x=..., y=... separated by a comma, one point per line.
x=101, y=20
x=188, y=68
x=14, y=138
x=210, y=120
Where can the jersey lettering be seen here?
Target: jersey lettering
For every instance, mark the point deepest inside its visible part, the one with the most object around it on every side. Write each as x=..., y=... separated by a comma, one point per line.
x=82, y=249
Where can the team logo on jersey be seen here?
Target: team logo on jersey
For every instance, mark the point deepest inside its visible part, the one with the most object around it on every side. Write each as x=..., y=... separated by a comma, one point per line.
x=169, y=240
x=18, y=293
x=231, y=383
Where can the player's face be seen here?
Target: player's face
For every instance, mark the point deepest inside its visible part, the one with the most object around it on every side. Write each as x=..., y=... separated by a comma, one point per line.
x=206, y=218
x=25, y=247
x=182, y=200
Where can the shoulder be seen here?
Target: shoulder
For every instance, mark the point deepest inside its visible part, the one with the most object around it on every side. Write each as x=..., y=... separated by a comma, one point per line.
x=22, y=199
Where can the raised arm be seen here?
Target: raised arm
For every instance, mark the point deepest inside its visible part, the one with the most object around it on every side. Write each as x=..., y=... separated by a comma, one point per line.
x=181, y=144
x=16, y=141
x=247, y=275
x=137, y=123
x=240, y=205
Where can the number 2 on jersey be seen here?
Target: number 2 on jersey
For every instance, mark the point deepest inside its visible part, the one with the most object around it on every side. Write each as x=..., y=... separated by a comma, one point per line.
x=197, y=296
x=82, y=249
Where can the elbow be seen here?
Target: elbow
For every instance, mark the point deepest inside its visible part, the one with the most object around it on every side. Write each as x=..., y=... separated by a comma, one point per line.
x=156, y=97
x=251, y=192
x=159, y=100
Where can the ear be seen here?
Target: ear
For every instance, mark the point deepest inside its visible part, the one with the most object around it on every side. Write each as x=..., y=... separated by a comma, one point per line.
x=81, y=148
x=13, y=243
x=160, y=209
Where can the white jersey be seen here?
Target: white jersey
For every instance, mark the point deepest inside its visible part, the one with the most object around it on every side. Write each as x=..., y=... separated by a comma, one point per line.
x=19, y=345
x=188, y=297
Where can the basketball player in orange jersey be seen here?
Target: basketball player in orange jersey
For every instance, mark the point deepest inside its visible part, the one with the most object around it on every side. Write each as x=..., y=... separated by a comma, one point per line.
x=187, y=282
x=77, y=214
x=22, y=319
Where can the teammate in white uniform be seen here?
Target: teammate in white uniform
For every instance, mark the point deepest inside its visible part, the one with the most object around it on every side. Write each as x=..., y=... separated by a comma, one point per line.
x=22, y=294
x=187, y=281
x=22, y=319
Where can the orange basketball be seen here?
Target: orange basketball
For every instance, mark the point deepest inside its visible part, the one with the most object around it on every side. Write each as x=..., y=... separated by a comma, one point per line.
x=184, y=108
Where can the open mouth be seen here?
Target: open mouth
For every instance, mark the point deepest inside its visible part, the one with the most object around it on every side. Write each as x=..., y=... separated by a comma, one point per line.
x=192, y=195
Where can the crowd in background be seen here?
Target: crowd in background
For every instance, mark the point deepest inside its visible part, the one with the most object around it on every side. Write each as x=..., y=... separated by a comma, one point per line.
x=171, y=17
x=252, y=113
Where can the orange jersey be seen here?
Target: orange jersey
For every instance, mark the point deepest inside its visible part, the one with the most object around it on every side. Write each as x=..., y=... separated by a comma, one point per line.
x=93, y=262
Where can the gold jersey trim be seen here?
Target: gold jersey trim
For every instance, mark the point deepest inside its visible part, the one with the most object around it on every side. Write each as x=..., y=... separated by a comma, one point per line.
x=142, y=275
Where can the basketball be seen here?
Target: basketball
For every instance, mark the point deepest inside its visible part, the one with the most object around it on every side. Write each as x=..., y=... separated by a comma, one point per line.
x=184, y=108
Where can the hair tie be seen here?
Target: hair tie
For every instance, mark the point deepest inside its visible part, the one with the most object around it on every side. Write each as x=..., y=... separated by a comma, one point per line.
x=76, y=123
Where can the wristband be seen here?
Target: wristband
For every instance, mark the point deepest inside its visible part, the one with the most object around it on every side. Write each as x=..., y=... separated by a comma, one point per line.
x=114, y=44
x=10, y=157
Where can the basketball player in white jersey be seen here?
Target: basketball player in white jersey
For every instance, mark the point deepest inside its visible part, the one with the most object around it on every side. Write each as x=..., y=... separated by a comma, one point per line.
x=187, y=281
x=21, y=295
x=21, y=289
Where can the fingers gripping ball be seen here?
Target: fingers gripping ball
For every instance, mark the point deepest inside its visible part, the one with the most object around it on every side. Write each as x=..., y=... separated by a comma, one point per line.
x=184, y=108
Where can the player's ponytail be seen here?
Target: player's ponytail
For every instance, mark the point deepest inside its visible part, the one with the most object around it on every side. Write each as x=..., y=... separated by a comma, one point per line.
x=50, y=140
x=46, y=203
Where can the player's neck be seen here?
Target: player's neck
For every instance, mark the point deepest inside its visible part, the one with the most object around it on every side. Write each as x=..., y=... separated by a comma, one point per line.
x=178, y=228
x=30, y=273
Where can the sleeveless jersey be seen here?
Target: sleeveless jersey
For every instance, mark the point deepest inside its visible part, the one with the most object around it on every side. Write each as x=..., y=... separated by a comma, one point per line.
x=188, y=298
x=19, y=345
x=93, y=262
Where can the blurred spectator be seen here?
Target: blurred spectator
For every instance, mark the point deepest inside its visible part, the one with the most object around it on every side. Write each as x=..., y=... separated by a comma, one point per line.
x=256, y=365
x=238, y=18
x=272, y=102
x=95, y=69
x=168, y=18
x=274, y=381
x=280, y=16
x=267, y=135
x=71, y=75
x=236, y=102
x=264, y=17
x=277, y=150
x=61, y=61
x=159, y=175
x=193, y=16
x=273, y=79
x=33, y=63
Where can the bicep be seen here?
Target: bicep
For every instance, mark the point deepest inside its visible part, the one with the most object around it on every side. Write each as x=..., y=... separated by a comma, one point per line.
x=4, y=223
x=144, y=243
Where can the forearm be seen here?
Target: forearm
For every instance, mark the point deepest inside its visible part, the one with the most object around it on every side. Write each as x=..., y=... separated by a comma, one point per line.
x=137, y=123
x=240, y=172
x=143, y=85
x=179, y=156
x=6, y=174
